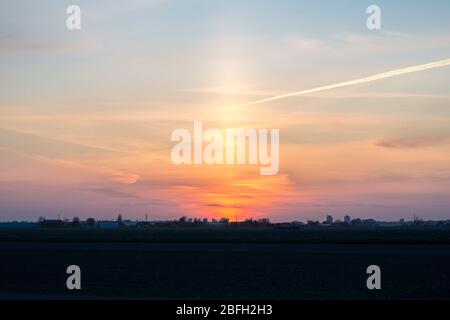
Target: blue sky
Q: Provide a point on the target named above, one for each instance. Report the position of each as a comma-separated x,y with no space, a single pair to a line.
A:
185,34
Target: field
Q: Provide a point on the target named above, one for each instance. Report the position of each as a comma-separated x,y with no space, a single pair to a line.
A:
407,235
225,264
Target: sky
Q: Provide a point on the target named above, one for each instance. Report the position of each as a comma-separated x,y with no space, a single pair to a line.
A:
86,115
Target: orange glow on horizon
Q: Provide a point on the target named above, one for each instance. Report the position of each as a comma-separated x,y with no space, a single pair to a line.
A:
237,191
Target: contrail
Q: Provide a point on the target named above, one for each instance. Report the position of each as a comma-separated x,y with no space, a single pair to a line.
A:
375,77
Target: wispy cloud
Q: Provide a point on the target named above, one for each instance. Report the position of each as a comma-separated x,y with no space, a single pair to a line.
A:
229,90
414,142
13,43
380,76
306,43
114,174
36,145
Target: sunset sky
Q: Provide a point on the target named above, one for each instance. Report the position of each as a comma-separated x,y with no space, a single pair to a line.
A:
86,116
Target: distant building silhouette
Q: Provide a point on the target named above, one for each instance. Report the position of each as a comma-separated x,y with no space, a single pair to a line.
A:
224,220
52,223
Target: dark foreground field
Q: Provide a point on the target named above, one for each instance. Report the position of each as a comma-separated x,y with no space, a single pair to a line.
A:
400,235
225,270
